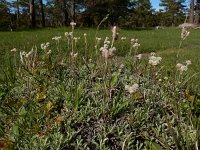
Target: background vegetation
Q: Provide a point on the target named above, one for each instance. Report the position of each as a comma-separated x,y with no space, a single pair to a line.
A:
22,14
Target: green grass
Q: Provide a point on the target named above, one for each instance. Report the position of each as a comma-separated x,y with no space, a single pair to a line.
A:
166,42
57,101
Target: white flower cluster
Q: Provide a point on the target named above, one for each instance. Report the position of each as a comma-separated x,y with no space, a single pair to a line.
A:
134,43
153,60
114,33
123,38
13,50
73,24
107,52
182,67
139,56
132,88
184,33
56,38
76,39
68,34
44,46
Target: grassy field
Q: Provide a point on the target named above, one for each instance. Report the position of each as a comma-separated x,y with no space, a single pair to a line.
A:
52,98
165,42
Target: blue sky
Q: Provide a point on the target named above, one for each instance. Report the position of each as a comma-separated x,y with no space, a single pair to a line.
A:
155,4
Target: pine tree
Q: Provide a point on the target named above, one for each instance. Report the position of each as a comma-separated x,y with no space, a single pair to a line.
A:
32,13
191,11
42,12
173,11
197,14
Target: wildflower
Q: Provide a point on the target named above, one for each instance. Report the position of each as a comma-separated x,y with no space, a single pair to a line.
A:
56,38
166,78
139,56
152,53
132,40
29,53
188,62
76,39
134,43
153,60
66,34
184,33
13,50
97,42
107,52
123,38
115,33
72,24
85,34
181,67
73,55
44,46
113,49
98,39
132,88
49,52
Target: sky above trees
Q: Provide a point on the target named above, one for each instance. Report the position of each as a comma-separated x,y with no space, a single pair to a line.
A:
155,4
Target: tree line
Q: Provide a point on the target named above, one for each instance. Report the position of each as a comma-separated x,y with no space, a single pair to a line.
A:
17,14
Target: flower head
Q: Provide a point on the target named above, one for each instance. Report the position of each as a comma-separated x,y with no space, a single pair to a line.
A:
123,38
115,33
56,38
188,62
44,46
153,60
73,55
13,50
72,24
182,67
132,88
184,33
134,43
139,56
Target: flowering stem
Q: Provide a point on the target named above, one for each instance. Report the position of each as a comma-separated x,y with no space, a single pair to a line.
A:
179,49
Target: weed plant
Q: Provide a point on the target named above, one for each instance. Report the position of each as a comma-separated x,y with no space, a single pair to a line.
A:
55,97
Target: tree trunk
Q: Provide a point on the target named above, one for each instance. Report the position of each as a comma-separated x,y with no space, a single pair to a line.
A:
191,11
32,13
17,7
74,13
197,14
42,12
64,12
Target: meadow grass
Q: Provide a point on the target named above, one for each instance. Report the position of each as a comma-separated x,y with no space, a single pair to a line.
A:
99,100
164,41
